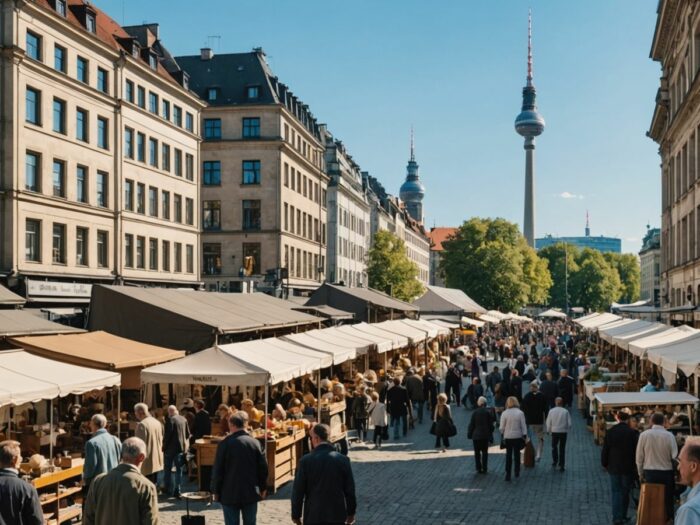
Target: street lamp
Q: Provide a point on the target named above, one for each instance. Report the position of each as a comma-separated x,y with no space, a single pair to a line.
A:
566,279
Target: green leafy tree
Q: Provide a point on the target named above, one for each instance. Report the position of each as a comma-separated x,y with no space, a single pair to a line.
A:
596,284
390,270
627,266
561,259
491,262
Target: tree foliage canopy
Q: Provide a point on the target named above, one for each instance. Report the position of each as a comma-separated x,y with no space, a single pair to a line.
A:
390,270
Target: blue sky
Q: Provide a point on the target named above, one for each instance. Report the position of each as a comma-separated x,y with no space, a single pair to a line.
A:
454,70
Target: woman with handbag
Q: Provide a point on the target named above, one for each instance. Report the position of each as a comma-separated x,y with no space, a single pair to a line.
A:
443,427
378,419
513,435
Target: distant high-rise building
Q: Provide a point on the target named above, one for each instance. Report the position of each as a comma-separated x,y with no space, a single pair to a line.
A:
412,190
529,124
650,264
600,243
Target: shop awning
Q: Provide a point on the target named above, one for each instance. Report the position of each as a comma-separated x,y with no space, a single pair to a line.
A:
473,322
212,366
597,321
438,299
331,335
415,336
8,298
622,399
669,352
26,378
445,324
397,340
552,313
624,340
490,318
381,343
24,322
358,300
340,353
187,319
621,326
641,346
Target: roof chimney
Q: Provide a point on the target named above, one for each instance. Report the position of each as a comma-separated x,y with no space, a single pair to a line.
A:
207,53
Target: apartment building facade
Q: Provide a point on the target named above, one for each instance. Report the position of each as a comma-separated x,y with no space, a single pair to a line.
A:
98,154
264,186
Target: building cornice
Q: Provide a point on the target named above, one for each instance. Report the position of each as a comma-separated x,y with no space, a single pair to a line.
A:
664,28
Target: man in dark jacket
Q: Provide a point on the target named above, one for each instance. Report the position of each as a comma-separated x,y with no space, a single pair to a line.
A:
202,422
493,379
431,389
239,476
481,433
175,443
549,390
414,386
453,384
516,385
324,487
618,458
19,501
397,406
566,387
535,408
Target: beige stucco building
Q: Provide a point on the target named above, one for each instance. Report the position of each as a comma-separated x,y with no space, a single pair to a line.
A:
264,188
675,127
98,154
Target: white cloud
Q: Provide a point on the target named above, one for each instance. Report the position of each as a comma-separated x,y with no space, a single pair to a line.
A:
569,195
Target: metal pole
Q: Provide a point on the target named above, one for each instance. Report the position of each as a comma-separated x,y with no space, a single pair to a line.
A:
51,431
318,401
265,420
566,279
119,412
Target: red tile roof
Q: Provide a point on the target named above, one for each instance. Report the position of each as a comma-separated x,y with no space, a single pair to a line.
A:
438,236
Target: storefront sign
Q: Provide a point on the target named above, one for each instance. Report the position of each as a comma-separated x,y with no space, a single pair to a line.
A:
56,289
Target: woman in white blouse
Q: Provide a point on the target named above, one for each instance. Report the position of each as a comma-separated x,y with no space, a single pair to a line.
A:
513,433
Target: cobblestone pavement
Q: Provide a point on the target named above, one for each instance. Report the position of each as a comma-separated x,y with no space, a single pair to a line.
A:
408,482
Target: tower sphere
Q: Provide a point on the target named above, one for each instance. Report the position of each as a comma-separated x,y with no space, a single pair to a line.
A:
529,123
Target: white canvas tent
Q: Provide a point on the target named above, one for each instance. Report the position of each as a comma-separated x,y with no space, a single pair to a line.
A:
381,343
623,340
340,353
414,335
473,322
444,324
490,318
430,330
598,321
621,326
397,340
640,347
331,335
552,313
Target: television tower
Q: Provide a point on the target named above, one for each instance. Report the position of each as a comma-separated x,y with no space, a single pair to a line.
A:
529,124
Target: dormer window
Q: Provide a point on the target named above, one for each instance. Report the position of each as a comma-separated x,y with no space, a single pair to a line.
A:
90,24
212,94
153,60
135,50
253,92
61,7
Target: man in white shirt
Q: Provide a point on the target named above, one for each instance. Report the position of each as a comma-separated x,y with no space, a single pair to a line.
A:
558,425
689,470
656,450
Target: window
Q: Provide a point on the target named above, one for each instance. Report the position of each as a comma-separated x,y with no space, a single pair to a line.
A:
81,182
153,201
61,7
189,253
129,195
189,211
166,110
33,106
59,58
211,173
153,152
141,147
102,189
102,248
140,198
129,143
286,216
189,166
253,92
212,93
252,250
212,128
82,70
165,154
32,171
251,215
141,97
33,46
211,253
177,160
59,115
189,122
286,175
140,254
59,178
165,205
32,240
251,127
129,91
102,80
294,178
251,172
177,115
211,215
165,254
152,102
81,246
90,22
153,61
177,204
152,254
178,257
59,244
102,133
81,124
128,250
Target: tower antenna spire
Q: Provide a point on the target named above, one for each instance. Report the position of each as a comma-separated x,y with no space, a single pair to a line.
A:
529,47
413,146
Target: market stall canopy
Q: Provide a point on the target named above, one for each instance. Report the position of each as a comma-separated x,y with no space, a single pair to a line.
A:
641,346
397,340
445,324
473,322
597,321
187,319
24,322
552,313
585,317
212,366
448,301
431,328
30,378
691,342
683,357
381,343
359,301
10,299
333,336
325,311
415,336
623,340
620,326
490,318
340,353
99,350
623,399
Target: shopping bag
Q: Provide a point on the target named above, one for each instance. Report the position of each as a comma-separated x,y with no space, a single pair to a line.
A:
529,455
651,510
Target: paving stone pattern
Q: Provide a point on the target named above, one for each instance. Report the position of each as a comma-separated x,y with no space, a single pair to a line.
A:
408,482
